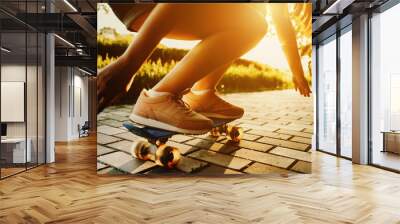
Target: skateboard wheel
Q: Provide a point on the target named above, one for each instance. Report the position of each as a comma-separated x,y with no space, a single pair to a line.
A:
142,150
234,133
167,156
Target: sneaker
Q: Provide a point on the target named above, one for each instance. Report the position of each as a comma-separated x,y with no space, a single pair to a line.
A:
169,112
211,105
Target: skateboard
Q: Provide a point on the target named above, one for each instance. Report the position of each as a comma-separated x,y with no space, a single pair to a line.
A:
156,149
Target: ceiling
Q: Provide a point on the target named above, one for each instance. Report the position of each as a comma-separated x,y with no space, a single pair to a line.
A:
74,22
330,15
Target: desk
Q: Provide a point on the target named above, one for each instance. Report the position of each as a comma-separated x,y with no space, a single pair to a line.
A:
391,141
13,150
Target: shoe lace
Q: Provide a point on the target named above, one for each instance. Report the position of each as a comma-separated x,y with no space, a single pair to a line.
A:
183,106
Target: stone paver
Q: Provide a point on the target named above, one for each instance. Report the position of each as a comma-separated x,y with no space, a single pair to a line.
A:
278,127
265,158
105,139
123,145
295,133
302,167
183,149
101,166
101,150
112,123
114,117
181,138
259,168
251,145
220,159
269,134
128,136
213,169
214,146
189,165
301,140
123,162
250,137
290,153
108,130
284,143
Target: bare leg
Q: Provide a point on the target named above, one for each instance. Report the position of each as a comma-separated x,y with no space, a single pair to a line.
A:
119,73
224,37
211,80
203,97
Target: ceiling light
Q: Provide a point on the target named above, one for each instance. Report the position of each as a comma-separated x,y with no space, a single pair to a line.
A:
79,51
70,5
5,50
84,71
338,6
64,40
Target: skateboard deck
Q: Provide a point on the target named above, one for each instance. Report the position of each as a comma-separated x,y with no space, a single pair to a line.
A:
155,147
149,132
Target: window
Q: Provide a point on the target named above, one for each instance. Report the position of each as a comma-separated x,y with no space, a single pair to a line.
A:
22,76
327,96
385,89
346,93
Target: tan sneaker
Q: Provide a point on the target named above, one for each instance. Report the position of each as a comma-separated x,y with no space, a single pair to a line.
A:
211,105
169,112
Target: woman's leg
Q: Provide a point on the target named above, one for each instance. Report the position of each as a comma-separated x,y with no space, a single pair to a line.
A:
203,97
118,74
227,31
210,81
225,36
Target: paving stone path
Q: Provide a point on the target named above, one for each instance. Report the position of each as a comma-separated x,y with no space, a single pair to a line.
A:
278,127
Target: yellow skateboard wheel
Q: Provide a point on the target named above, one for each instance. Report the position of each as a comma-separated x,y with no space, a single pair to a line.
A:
167,156
234,133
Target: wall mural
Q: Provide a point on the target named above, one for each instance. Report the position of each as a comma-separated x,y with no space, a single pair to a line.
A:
204,89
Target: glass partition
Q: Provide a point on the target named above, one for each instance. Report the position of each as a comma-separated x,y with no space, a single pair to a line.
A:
32,98
385,89
346,93
14,143
327,95
41,97
22,88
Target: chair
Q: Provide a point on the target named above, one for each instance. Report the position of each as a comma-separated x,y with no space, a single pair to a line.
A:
84,130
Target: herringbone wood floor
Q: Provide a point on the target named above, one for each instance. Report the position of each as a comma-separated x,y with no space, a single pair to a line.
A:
70,191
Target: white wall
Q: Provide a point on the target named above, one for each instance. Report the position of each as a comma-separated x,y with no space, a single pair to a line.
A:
71,94
13,73
33,126
61,103
80,110
13,100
